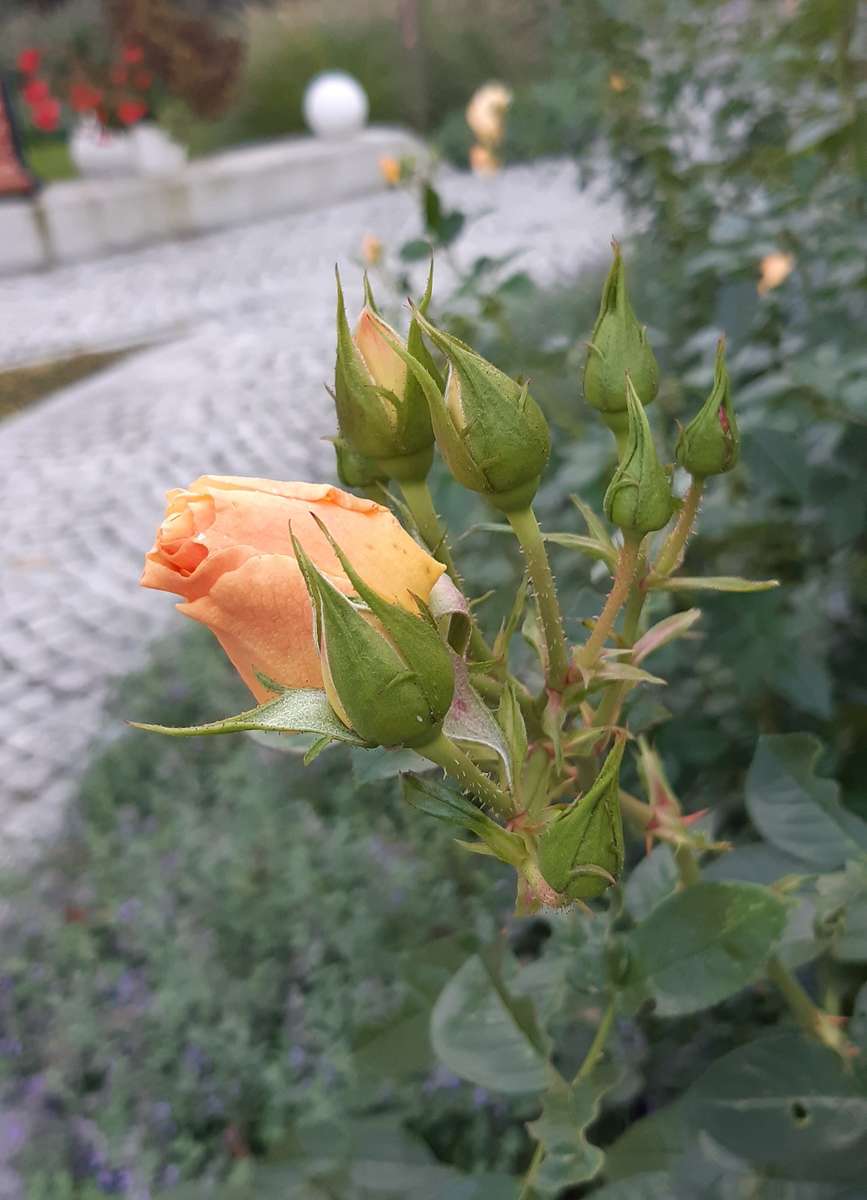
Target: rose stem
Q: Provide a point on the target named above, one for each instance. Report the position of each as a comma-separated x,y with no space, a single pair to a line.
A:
419,501
443,751
624,574
672,552
528,533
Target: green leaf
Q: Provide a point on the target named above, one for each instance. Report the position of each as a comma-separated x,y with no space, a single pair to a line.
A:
701,945
795,809
415,249
650,1146
786,1103
594,547
441,802
649,1185
663,632
595,525
758,862
484,1028
511,721
567,1111
712,583
841,912
652,879
301,710
612,670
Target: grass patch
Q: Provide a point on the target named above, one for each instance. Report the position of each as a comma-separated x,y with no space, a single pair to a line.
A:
50,161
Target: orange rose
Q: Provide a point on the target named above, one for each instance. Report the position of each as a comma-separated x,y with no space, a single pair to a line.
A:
224,547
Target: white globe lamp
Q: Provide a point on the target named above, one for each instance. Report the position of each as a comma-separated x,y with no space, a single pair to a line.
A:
335,105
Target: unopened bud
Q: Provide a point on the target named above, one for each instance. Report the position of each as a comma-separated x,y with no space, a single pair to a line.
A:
492,433
381,410
580,853
387,672
618,345
639,497
710,444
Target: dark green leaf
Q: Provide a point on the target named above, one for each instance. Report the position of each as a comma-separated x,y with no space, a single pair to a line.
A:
795,809
650,1146
567,1111
415,250
701,945
484,1029
786,1103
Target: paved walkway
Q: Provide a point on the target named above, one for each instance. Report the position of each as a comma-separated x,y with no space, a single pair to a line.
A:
233,386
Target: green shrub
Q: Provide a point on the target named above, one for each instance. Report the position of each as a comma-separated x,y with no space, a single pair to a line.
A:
190,973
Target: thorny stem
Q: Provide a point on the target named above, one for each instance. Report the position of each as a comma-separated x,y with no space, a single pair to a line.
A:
687,866
609,706
419,501
624,574
672,552
443,751
526,529
809,1016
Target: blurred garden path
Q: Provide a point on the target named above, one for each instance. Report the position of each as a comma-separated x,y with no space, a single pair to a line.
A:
242,328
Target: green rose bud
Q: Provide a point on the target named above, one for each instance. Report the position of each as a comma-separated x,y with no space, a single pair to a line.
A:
387,673
618,345
710,444
381,409
639,497
580,853
353,469
491,432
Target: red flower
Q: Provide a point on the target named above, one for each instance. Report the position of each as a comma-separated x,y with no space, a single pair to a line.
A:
118,75
84,97
46,115
143,80
28,61
130,111
35,91
132,54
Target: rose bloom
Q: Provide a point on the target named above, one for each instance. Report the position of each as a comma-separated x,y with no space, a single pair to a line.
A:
483,161
775,269
389,168
224,547
371,249
486,113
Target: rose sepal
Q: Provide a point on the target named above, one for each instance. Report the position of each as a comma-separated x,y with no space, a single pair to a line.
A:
387,672
581,851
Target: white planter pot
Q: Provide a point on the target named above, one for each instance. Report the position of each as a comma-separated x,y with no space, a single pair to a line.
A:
98,153
154,152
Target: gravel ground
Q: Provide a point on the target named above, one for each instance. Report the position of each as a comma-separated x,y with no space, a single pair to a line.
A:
239,327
